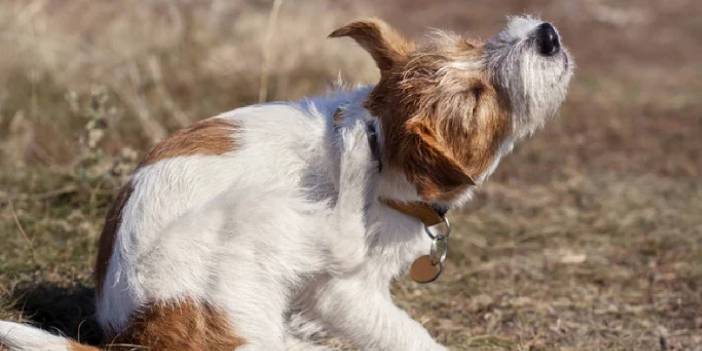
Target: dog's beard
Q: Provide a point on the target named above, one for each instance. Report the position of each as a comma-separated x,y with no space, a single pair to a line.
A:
545,83
535,85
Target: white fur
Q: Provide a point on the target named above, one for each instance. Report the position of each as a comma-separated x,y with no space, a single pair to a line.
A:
291,213
22,337
536,85
285,233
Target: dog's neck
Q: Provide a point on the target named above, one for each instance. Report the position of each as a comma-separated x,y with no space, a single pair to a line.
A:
429,213
345,106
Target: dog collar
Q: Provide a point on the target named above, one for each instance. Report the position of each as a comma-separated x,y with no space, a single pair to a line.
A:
427,268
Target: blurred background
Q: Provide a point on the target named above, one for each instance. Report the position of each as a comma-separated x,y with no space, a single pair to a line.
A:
588,237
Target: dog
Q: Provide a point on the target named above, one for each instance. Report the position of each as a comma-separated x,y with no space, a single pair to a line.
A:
256,228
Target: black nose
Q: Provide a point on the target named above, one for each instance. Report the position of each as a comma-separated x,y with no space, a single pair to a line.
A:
547,40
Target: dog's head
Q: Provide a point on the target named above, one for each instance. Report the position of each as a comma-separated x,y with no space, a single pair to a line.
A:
447,107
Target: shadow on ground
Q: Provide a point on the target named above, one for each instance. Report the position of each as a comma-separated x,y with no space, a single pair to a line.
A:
62,310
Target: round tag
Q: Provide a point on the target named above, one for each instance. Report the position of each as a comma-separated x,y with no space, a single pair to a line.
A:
423,270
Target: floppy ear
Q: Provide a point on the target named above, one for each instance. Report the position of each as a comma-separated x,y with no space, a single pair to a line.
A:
383,43
430,166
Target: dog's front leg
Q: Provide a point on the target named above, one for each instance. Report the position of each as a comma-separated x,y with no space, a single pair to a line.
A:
364,313
357,170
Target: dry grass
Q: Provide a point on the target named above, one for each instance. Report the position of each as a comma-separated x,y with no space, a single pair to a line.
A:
161,63
588,238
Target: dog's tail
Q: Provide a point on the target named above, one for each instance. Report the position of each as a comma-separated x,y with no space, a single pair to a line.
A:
22,337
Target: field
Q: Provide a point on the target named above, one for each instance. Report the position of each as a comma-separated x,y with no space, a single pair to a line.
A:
588,237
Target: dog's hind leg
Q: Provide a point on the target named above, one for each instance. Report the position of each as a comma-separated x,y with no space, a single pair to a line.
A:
357,170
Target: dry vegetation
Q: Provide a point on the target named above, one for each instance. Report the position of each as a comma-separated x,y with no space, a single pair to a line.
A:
588,238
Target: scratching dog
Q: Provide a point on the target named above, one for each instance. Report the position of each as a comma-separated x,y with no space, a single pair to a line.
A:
255,228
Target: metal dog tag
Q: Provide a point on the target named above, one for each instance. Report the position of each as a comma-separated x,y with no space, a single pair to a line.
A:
424,270
428,268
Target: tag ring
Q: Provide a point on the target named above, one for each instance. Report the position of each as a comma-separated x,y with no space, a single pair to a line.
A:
439,236
439,251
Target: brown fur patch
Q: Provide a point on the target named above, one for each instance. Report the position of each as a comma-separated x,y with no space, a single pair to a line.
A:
454,133
185,325
109,233
380,40
74,346
212,136
442,125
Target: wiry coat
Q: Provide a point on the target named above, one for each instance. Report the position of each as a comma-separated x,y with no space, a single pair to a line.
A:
259,227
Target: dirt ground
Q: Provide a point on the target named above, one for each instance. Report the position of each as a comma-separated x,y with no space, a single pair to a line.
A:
588,237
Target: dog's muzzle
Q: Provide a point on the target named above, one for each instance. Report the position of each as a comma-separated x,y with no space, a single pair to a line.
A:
547,40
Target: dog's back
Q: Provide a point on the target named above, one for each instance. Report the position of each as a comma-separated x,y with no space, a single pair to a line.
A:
210,205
